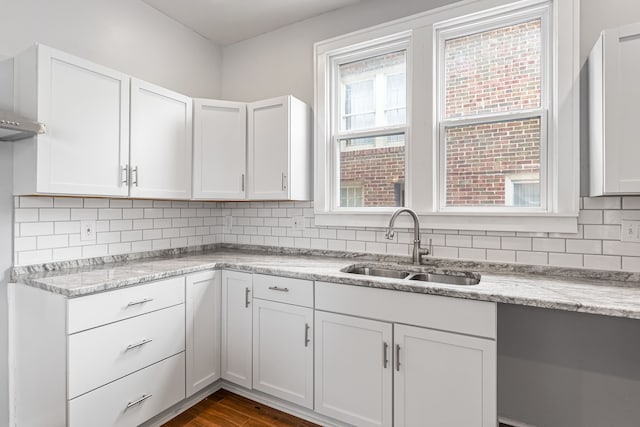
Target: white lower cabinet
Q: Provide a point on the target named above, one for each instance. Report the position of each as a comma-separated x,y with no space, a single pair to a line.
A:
283,351
203,294
443,379
353,372
133,399
237,324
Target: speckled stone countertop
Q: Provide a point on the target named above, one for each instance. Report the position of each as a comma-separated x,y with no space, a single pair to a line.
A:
596,292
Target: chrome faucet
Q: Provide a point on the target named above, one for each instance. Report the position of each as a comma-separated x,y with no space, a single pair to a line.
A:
418,252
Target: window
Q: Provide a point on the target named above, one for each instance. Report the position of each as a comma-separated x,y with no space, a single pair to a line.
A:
492,110
467,114
370,138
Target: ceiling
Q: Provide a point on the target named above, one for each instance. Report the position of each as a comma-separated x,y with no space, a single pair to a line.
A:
229,21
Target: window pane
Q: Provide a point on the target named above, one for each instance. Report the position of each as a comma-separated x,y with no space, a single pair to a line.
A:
494,71
377,165
480,158
526,194
373,92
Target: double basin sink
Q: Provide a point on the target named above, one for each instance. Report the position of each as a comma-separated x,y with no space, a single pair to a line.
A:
420,274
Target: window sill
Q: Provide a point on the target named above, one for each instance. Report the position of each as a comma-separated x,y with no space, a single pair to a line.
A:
548,223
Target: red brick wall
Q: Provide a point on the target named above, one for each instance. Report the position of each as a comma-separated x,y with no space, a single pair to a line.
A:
376,170
479,157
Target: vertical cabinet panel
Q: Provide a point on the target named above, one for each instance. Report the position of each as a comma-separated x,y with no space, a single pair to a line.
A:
353,372
237,325
219,149
203,293
614,66
86,110
443,379
283,351
269,149
161,144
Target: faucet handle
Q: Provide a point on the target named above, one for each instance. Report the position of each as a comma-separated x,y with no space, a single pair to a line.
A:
389,234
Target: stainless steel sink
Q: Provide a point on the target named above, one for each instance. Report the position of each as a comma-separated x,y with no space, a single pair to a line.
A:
379,272
448,279
419,274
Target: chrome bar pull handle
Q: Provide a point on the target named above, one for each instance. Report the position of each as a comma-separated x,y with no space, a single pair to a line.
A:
138,401
275,288
246,297
134,171
284,181
397,358
242,182
124,177
385,356
142,301
140,344
306,334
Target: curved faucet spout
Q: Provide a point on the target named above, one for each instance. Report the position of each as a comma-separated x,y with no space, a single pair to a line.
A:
417,250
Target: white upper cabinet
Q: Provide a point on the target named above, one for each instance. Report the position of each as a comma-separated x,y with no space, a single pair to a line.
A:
279,144
614,91
161,142
86,110
219,149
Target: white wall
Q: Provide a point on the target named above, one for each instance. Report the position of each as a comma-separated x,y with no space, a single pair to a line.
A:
127,35
281,62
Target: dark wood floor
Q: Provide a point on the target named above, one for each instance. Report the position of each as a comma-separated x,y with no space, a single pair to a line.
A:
225,409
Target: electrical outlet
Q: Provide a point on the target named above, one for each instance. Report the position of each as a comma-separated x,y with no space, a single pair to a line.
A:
298,223
87,230
228,224
630,231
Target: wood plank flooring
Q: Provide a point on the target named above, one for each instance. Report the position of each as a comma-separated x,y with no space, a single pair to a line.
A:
225,409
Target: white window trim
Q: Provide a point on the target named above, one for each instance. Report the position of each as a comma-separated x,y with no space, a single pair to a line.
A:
422,157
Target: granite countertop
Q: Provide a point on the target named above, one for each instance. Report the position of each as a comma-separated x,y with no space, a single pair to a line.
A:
596,292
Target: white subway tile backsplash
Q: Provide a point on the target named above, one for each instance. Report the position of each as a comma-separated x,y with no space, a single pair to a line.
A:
549,245
566,260
96,203
36,229
84,214
26,215
56,241
66,227
36,202
108,237
601,203
68,202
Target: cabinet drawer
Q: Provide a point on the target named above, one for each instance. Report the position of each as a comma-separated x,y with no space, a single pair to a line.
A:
99,309
283,289
114,405
104,354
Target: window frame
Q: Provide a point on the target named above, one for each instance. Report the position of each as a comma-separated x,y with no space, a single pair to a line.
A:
422,151
462,29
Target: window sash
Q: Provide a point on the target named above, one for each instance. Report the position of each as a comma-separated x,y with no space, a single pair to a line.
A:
486,119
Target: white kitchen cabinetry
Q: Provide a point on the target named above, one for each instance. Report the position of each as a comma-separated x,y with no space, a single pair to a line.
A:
283,338
445,365
237,324
614,91
161,142
353,372
86,110
203,294
219,149
443,379
279,150
112,359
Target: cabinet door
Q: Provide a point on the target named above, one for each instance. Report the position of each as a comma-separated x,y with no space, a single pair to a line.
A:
268,157
203,330
353,370
237,289
443,379
160,142
621,94
219,149
283,351
86,110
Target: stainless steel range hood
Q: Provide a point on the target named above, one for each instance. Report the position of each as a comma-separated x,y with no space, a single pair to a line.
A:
14,128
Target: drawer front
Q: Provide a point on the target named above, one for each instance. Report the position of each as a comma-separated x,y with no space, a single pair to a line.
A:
104,354
124,403
99,309
469,317
283,289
